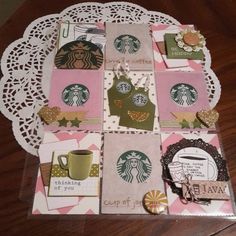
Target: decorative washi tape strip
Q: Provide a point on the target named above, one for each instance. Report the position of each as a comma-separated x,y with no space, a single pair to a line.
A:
57,171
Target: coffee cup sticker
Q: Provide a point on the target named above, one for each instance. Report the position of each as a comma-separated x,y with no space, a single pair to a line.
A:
79,55
197,163
78,163
176,171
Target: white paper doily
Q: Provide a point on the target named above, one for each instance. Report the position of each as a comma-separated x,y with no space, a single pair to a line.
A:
27,64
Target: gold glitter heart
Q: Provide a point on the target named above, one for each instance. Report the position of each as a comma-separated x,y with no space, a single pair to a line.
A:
208,117
48,114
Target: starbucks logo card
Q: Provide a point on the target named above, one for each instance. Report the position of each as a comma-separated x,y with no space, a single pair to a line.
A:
131,168
131,43
180,96
78,94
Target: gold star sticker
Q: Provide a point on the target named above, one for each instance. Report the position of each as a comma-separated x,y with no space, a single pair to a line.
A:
184,124
63,122
75,122
196,124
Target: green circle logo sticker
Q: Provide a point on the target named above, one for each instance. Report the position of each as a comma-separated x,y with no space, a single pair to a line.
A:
75,95
123,87
127,44
184,95
134,166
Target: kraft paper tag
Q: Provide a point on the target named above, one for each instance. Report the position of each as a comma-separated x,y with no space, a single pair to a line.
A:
207,189
175,52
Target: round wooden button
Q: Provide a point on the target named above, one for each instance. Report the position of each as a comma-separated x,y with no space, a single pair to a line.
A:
155,201
192,39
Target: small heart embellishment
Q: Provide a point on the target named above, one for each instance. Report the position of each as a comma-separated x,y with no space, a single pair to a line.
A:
208,117
49,114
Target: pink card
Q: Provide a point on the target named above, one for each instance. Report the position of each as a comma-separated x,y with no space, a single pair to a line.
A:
180,95
161,63
213,171
77,91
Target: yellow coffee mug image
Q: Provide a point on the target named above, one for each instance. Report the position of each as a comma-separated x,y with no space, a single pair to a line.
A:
78,163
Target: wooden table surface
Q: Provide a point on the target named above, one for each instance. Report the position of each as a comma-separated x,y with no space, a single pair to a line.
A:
216,20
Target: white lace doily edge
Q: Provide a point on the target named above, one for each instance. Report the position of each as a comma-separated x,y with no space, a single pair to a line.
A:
17,134
27,36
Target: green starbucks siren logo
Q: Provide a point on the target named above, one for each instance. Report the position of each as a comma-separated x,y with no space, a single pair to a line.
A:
127,44
184,95
75,95
134,166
